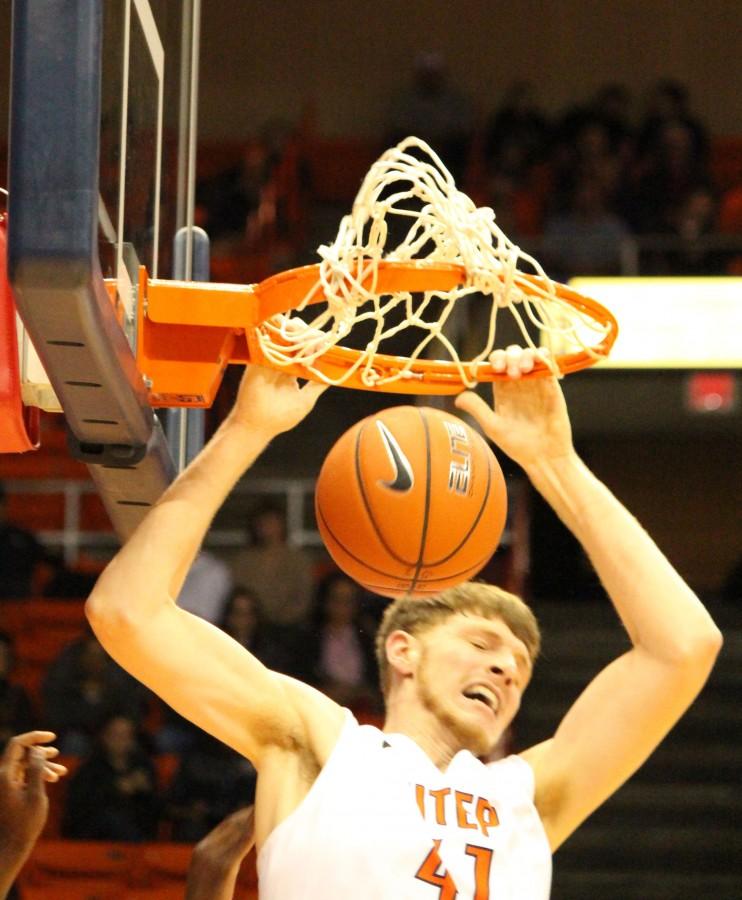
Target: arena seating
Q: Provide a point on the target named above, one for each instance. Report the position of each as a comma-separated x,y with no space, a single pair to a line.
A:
99,870
39,630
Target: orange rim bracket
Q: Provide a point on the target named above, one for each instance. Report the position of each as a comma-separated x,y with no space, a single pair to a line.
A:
183,364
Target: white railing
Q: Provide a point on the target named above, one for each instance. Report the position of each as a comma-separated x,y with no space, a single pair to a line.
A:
296,495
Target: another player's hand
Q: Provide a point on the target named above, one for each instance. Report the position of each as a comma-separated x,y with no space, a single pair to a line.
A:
24,767
217,857
271,402
529,420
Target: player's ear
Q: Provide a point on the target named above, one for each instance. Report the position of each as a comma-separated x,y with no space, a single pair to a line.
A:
402,652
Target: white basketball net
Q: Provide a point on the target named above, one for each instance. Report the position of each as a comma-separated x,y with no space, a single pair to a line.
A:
444,227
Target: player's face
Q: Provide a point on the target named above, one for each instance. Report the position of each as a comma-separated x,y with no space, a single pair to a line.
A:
471,675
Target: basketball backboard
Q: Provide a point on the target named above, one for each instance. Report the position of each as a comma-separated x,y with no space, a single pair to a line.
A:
93,128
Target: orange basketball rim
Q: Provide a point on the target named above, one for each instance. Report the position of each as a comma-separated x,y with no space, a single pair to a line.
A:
188,332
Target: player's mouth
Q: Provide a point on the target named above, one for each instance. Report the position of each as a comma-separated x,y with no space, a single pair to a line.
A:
484,696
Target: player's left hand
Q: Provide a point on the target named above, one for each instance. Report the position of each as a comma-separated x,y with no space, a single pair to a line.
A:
515,360
528,419
271,402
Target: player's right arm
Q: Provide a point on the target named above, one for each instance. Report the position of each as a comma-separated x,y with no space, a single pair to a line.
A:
193,666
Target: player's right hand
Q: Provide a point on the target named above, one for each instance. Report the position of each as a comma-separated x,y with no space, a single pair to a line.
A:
270,402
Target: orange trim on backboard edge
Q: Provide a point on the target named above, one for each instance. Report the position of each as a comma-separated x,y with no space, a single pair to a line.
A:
20,424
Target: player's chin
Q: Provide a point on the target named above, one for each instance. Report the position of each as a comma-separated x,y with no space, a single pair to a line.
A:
479,734
477,711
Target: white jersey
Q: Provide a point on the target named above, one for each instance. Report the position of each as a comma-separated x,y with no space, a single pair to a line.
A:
381,821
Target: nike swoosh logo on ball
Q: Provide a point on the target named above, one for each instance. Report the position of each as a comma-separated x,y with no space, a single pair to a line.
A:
403,477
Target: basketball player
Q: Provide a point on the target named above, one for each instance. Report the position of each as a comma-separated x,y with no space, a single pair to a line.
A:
344,810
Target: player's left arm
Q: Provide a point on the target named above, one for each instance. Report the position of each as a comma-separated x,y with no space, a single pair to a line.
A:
631,705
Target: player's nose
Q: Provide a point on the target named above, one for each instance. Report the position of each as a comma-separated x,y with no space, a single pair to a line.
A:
504,668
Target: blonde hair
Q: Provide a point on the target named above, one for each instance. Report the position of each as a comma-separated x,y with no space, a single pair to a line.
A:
416,615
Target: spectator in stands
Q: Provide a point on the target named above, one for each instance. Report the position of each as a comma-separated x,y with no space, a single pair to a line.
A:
672,168
82,689
612,108
21,556
243,620
206,588
518,121
588,155
692,220
113,794
211,781
25,766
16,710
434,109
609,107
593,139
280,575
587,239
340,651
669,103
515,153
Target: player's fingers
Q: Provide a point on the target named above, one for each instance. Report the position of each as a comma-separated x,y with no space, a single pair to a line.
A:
479,409
498,361
514,358
527,361
313,390
36,772
16,747
29,738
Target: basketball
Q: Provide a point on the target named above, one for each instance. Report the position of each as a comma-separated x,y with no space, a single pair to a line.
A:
410,500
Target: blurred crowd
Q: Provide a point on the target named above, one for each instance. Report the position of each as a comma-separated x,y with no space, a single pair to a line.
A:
119,740
573,186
